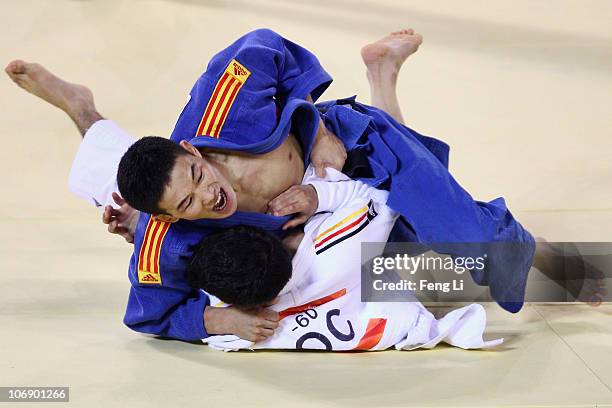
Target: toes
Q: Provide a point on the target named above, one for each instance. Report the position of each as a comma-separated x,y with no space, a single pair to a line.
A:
16,67
20,82
17,78
405,31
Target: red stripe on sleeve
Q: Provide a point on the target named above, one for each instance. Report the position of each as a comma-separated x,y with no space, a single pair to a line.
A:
372,335
318,302
162,234
351,225
222,99
141,254
211,102
150,246
216,130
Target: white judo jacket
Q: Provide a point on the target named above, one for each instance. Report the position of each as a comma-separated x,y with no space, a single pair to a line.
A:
321,307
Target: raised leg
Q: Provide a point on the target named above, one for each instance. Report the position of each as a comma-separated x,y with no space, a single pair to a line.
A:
569,269
383,60
78,103
76,100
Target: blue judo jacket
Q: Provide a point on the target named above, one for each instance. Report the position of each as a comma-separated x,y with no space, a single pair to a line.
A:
250,97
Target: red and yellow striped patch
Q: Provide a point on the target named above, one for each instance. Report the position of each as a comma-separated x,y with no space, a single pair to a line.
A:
148,258
222,99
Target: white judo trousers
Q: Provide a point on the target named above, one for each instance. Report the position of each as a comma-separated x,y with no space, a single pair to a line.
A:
321,308
93,176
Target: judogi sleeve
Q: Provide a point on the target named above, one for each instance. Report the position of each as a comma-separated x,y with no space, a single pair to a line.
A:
296,71
161,301
167,312
250,93
336,190
276,64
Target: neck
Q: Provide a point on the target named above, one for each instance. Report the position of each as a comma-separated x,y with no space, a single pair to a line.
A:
218,159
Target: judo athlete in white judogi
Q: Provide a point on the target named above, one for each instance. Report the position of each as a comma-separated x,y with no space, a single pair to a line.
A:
320,306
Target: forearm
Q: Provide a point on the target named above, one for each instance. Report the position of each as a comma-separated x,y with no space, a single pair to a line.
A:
214,322
327,150
253,325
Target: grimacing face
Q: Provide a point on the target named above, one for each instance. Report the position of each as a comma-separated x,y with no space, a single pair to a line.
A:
196,190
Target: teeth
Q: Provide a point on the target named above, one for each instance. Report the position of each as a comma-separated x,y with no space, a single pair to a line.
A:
221,201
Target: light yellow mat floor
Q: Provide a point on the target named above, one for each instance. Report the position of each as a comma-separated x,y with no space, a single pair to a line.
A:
520,89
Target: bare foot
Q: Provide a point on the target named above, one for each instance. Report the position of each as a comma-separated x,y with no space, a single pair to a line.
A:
569,269
76,100
391,51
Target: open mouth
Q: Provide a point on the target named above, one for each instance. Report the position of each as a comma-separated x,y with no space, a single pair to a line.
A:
221,202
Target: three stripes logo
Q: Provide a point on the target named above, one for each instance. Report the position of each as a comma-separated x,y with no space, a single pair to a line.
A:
222,99
346,228
239,70
149,255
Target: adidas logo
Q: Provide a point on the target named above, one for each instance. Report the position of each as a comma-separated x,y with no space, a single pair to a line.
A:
149,278
238,70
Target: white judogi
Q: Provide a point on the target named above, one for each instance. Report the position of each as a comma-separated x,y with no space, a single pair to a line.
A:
321,308
93,176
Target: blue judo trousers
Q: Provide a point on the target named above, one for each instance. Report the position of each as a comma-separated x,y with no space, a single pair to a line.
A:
251,96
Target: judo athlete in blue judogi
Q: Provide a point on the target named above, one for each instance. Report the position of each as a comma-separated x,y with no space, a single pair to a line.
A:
249,114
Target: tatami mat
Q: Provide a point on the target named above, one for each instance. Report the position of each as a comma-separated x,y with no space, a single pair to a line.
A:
520,89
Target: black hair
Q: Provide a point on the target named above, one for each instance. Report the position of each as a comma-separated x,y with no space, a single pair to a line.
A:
144,172
242,265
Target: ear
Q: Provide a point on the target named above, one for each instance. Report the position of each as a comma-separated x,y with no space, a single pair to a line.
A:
191,149
165,218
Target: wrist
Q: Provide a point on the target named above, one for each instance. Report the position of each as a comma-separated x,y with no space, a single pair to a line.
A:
321,129
213,320
320,186
314,195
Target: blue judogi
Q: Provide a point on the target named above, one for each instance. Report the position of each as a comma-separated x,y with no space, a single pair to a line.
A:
249,99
